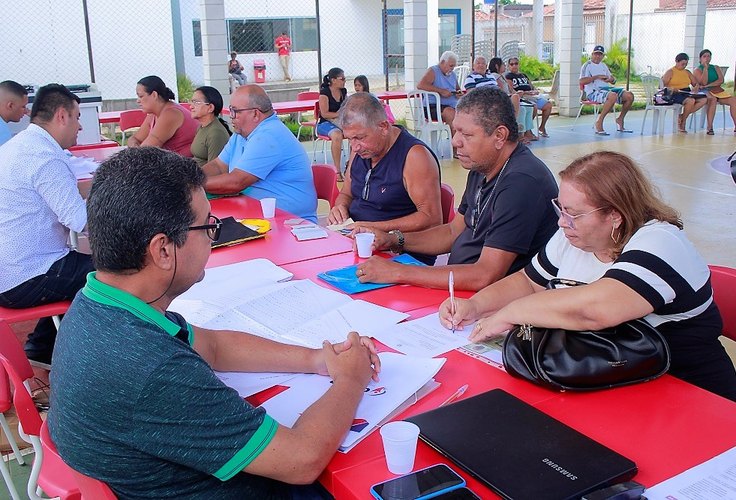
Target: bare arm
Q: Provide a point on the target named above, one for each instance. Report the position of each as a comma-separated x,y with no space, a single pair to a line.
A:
427,83
137,139
340,212
421,180
701,76
165,127
324,108
601,304
230,182
298,455
667,77
215,167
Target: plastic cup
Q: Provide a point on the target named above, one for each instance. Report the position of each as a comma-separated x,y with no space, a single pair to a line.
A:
268,206
400,446
364,242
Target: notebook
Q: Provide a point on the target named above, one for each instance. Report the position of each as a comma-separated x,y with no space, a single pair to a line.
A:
519,451
233,232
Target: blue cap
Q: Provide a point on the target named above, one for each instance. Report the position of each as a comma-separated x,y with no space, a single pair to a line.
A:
599,48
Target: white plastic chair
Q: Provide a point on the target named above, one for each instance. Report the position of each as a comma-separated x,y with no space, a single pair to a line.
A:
426,129
651,86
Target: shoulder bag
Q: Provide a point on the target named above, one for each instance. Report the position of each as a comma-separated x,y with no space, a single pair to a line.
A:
559,359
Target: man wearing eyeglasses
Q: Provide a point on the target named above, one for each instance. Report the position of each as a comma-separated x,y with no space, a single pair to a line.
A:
263,159
136,402
505,216
39,205
393,180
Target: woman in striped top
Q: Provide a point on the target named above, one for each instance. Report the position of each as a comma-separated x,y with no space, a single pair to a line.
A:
618,236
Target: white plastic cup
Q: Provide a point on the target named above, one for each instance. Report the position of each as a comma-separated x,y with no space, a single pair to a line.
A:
364,242
268,207
400,446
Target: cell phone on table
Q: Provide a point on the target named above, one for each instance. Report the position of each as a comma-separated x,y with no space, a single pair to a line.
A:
424,483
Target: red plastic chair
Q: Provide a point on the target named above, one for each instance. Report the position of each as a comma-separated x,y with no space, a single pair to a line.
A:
319,137
447,198
325,182
49,472
186,105
55,309
309,95
130,119
723,282
91,488
6,403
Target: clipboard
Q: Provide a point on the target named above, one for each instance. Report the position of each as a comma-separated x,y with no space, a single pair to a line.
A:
234,232
346,280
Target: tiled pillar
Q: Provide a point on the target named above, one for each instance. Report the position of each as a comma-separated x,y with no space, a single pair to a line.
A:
214,46
415,41
570,41
433,31
694,29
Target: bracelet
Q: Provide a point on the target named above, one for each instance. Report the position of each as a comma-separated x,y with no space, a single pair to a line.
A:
400,236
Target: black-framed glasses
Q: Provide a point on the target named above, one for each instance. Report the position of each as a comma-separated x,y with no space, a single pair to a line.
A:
213,227
367,186
234,111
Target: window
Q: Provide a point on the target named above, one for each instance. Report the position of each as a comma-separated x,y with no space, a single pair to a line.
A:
197,34
257,35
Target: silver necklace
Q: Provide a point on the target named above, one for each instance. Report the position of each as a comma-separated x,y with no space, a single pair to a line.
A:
477,197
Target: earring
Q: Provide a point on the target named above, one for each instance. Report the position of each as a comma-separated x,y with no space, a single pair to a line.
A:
613,234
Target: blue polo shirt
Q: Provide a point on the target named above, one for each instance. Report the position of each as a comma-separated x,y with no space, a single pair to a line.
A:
5,134
135,406
272,153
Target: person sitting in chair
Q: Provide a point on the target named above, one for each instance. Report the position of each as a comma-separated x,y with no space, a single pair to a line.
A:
597,79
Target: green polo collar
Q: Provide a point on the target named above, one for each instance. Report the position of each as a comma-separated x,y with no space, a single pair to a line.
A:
110,296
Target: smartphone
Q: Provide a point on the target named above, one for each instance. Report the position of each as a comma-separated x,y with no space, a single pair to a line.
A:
424,483
458,494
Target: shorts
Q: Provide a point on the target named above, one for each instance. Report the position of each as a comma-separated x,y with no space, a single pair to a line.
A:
601,95
433,111
541,102
325,128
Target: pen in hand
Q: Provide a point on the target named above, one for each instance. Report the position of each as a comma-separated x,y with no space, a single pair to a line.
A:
453,306
455,396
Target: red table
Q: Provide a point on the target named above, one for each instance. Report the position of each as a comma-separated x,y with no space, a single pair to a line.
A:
402,298
279,245
109,116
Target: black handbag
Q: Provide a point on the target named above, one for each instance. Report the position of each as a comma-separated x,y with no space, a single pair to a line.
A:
631,352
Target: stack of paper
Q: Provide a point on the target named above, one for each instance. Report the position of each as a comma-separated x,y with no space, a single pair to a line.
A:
307,232
400,379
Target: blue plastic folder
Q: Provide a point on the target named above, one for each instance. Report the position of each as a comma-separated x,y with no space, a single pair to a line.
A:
346,280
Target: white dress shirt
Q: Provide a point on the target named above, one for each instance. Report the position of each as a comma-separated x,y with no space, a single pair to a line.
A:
39,203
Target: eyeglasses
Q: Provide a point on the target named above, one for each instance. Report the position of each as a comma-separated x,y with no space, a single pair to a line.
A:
569,218
195,102
366,186
234,111
340,78
213,227
513,63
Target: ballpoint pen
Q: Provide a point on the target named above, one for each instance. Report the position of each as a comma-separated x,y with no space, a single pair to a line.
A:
456,395
453,306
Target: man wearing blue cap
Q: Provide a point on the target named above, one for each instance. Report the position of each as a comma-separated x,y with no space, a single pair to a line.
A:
598,81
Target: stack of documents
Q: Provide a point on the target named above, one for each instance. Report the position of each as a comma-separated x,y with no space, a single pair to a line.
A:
308,232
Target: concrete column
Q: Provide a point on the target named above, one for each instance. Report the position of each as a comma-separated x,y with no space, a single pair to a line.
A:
571,46
538,28
433,31
694,29
609,35
415,42
214,46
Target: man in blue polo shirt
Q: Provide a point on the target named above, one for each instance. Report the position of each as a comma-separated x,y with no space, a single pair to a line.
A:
263,159
135,401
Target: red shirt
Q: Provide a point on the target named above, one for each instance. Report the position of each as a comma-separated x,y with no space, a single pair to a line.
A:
283,43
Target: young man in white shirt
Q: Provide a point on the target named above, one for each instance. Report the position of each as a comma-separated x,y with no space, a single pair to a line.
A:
39,205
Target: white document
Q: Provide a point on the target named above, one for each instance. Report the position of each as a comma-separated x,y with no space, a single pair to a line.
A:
714,479
248,384
356,315
308,232
82,168
401,377
424,337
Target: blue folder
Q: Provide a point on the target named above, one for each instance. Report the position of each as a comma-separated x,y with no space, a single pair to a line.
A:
346,280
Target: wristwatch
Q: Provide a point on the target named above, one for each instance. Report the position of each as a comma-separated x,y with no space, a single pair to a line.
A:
399,248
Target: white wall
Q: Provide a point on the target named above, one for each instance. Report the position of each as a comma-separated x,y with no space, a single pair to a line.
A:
46,43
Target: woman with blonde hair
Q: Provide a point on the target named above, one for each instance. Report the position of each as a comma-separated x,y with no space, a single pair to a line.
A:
617,236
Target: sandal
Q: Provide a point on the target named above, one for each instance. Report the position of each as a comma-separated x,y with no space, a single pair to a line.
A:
710,132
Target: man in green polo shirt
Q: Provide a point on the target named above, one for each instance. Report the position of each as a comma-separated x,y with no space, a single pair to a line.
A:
135,401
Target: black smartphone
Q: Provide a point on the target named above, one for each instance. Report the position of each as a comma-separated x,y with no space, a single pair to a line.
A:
424,483
458,494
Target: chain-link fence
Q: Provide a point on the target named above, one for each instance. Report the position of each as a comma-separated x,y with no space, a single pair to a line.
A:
114,45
